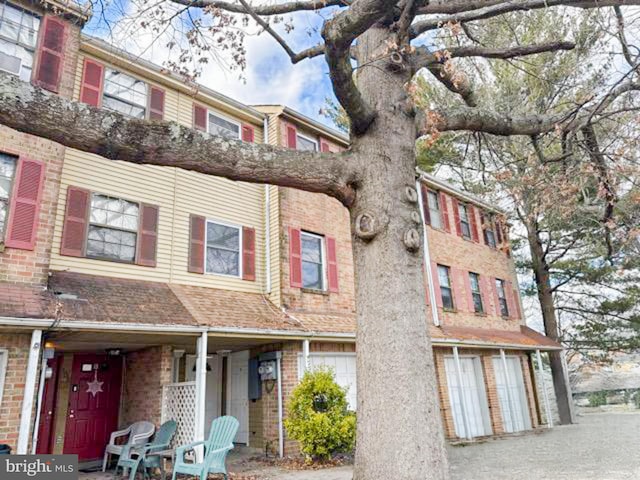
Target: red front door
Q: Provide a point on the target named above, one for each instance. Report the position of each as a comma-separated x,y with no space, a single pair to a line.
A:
47,411
94,398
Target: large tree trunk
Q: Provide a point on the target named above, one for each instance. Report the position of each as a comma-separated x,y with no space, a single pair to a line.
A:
399,427
545,297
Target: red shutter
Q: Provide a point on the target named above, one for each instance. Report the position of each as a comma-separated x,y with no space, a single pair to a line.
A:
248,253
496,298
497,227
76,219
505,239
332,264
156,104
24,205
473,224
92,78
468,292
50,53
425,204
516,302
147,235
459,296
292,137
197,227
456,215
295,258
324,146
445,212
199,117
487,295
508,291
248,133
436,284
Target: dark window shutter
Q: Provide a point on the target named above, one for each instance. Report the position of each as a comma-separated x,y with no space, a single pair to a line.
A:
199,117
156,104
292,137
248,253
295,258
487,295
92,79
332,264
147,235
436,284
22,223
473,224
456,215
497,225
425,204
516,302
74,231
483,227
51,54
197,228
445,212
496,298
324,146
248,133
508,292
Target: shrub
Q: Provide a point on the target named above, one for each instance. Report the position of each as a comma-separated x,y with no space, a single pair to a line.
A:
597,399
318,417
636,399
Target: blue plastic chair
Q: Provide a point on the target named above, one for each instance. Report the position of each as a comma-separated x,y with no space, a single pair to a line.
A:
216,448
136,455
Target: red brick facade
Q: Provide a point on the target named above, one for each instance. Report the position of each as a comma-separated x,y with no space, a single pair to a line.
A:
17,346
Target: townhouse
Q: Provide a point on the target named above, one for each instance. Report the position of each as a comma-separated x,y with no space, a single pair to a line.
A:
132,292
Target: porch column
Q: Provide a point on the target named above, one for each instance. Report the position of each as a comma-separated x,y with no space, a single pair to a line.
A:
29,391
463,410
175,367
201,391
507,382
545,395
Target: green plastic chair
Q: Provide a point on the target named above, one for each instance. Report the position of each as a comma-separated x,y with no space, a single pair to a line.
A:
220,442
136,455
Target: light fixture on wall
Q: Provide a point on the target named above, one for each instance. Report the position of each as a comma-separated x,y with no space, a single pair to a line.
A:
114,352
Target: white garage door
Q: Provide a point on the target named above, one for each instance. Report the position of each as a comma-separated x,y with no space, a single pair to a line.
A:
512,395
344,367
469,399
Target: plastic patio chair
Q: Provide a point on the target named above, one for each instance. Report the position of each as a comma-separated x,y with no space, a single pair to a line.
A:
220,442
133,456
138,433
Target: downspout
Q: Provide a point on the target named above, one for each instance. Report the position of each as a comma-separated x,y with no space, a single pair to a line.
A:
29,392
36,425
280,423
427,258
267,217
545,395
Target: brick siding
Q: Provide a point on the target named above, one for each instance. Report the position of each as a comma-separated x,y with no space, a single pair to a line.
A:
13,393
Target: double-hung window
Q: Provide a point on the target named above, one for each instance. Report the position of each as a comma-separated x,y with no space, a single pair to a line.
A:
465,226
113,228
306,144
219,125
124,94
435,216
502,298
18,39
313,262
474,280
7,173
444,277
223,249
489,230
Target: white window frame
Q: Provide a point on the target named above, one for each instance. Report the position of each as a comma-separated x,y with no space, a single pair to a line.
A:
33,49
435,212
147,108
449,287
502,286
323,260
215,113
311,139
206,246
478,292
4,361
7,202
464,207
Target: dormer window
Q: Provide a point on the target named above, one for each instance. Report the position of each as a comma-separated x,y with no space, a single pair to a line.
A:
18,39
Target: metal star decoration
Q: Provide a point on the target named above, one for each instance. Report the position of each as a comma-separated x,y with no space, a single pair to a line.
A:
94,387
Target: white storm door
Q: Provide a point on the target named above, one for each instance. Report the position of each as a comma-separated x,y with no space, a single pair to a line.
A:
470,396
513,400
343,366
238,392
213,401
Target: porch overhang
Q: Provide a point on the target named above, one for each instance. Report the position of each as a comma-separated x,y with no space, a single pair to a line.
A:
523,339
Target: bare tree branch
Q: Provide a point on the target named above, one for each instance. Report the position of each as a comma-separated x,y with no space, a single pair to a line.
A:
622,37
113,136
265,10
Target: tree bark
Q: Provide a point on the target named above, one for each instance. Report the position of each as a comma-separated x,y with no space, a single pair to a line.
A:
545,296
399,432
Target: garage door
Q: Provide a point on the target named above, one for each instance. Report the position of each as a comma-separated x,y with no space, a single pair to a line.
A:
468,397
344,367
512,395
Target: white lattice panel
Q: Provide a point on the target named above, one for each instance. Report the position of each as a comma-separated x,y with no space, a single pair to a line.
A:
179,404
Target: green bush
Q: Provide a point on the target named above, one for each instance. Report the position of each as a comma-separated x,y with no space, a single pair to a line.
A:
597,399
318,417
636,399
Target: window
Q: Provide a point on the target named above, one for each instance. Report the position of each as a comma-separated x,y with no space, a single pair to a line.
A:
7,173
489,230
223,127
18,38
223,249
464,221
113,228
434,209
312,261
306,144
446,292
474,280
502,298
124,94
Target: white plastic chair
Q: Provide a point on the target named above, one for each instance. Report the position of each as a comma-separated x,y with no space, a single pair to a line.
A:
138,433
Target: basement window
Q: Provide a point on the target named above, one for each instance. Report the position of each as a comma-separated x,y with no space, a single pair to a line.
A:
113,228
7,173
18,38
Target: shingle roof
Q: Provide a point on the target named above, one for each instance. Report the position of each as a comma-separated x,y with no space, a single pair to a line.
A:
525,337
23,301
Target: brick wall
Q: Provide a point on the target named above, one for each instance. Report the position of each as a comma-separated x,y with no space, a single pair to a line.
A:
11,401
